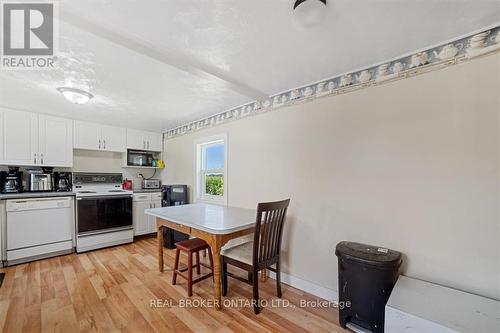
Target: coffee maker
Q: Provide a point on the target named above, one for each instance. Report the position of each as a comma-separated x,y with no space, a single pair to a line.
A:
63,181
39,180
11,181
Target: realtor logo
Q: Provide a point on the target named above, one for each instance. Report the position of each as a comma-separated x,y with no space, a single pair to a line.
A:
28,34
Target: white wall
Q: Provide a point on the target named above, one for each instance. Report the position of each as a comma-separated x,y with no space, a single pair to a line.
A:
412,165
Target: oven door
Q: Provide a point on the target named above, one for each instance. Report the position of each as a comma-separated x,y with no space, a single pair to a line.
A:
103,214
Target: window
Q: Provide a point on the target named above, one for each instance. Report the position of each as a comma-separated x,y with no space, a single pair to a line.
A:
211,181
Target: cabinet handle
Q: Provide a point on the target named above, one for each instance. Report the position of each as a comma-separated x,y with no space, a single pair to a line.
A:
99,144
41,158
104,144
148,144
144,144
34,158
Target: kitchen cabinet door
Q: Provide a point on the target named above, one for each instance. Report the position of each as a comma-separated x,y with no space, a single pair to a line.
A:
113,139
136,139
55,141
154,141
141,220
20,138
152,219
87,135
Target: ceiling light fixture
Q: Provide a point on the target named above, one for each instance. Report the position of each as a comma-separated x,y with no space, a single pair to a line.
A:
298,2
74,95
309,13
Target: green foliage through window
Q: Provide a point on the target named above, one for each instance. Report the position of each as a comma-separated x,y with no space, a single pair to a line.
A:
214,184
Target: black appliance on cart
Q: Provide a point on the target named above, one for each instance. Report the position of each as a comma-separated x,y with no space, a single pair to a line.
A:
173,195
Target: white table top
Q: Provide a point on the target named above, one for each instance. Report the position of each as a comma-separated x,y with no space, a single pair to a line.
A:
210,218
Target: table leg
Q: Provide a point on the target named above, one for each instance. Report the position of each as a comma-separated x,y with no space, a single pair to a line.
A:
217,276
159,237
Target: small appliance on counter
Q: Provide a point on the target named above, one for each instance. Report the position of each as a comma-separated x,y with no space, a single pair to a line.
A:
127,184
173,195
63,181
150,184
40,180
11,181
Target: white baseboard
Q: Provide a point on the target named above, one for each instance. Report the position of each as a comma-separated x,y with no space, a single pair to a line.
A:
307,286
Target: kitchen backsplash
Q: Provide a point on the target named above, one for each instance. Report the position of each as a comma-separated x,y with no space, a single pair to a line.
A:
98,161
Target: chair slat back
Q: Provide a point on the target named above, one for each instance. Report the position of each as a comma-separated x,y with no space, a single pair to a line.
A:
268,231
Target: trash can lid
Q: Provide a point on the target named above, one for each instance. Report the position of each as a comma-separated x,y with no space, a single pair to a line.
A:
368,254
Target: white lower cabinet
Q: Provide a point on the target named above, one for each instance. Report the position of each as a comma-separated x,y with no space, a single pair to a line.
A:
144,224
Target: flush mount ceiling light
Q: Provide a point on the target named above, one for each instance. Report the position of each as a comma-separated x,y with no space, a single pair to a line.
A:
298,2
74,95
309,12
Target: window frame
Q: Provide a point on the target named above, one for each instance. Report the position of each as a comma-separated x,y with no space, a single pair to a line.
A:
200,146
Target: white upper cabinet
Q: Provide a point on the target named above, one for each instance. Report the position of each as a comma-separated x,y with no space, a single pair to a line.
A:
86,135
135,139
55,144
99,137
114,138
142,140
154,141
35,140
20,136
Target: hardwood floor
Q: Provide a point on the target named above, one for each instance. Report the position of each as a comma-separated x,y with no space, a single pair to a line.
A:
119,289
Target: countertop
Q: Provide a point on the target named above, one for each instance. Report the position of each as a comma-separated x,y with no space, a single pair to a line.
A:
23,195
146,190
214,219
27,195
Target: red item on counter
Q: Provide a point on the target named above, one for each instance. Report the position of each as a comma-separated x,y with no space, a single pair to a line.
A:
127,184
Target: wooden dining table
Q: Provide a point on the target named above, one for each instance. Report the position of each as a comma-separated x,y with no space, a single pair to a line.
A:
213,223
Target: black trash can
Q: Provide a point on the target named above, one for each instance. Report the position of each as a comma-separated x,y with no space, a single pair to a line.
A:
367,275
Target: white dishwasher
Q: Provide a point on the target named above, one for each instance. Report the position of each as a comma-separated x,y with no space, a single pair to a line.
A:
39,228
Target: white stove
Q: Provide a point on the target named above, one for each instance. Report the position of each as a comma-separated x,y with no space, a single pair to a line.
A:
101,192
103,211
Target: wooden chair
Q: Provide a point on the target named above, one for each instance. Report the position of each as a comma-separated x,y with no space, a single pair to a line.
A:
262,252
192,246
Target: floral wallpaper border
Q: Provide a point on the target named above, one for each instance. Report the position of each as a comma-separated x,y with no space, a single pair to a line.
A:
438,57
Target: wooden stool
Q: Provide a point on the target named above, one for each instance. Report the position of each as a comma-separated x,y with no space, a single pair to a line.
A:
191,246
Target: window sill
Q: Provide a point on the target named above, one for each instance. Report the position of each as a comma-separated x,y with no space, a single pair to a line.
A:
221,202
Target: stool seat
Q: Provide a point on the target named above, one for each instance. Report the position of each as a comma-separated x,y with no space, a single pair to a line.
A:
192,245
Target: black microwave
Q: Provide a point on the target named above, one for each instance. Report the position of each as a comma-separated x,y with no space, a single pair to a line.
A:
140,158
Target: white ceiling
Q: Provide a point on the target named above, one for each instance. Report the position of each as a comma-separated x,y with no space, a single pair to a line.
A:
158,64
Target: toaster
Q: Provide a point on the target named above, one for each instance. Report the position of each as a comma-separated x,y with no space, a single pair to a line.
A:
151,183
